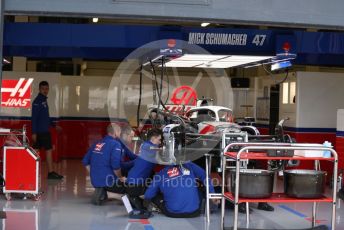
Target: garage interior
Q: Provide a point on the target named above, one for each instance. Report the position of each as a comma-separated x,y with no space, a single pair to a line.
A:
93,63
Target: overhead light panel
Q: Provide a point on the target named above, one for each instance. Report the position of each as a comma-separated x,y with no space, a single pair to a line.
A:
5,61
246,58
200,57
185,64
217,65
215,61
205,24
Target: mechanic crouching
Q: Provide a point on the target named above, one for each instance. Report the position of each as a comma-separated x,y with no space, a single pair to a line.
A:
175,190
104,162
128,157
143,168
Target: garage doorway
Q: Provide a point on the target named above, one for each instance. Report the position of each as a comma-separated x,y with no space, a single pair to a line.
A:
274,108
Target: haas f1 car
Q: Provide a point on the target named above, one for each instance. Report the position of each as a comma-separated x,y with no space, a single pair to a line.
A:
200,131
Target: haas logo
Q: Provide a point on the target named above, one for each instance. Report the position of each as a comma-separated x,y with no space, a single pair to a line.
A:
16,93
184,95
99,147
173,172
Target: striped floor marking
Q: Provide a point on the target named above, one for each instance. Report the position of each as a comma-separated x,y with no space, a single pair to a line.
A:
299,214
145,222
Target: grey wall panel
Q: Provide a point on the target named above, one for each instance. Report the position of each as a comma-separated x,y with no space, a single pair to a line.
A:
317,13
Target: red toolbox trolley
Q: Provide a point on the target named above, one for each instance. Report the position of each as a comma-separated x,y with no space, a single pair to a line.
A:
21,169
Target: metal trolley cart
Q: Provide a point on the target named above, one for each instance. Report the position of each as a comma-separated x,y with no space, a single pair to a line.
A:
21,165
226,139
244,154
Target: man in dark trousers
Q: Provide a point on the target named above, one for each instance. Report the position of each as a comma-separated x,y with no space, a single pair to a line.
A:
143,168
175,190
104,162
41,123
341,193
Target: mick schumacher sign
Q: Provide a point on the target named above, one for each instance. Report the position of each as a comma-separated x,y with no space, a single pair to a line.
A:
16,93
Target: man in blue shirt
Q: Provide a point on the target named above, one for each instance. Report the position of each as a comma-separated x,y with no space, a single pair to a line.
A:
127,135
175,190
104,162
41,123
143,168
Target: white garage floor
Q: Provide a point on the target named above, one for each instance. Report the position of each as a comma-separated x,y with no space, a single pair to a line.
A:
66,205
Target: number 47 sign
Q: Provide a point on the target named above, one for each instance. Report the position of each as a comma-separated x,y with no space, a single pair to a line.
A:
259,39
16,93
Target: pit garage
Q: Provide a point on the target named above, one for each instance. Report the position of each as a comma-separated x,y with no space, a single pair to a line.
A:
201,119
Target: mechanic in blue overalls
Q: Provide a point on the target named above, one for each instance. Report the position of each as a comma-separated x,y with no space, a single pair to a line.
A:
41,123
104,162
128,157
143,168
175,190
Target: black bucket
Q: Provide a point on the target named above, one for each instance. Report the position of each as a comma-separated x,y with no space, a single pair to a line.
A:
254,183
304,183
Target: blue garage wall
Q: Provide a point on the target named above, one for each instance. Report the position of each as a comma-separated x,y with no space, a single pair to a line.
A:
115,42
